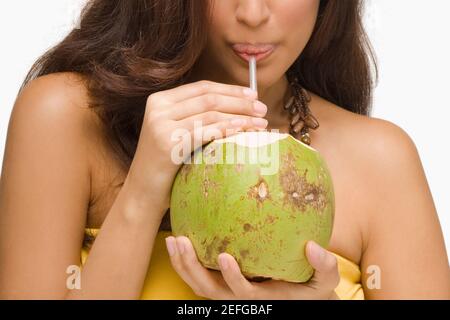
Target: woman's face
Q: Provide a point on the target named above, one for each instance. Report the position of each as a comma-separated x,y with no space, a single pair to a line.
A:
285,24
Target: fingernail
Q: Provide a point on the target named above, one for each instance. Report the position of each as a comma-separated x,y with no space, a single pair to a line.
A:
250,93
180,246
238,122
259,122
318,251
223,263
170,247
259,107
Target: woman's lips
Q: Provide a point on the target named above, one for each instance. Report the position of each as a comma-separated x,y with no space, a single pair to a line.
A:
245,51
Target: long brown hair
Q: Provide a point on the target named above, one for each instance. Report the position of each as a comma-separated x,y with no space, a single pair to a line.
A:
128,49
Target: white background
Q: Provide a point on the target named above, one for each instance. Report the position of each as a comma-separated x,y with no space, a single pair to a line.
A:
411,38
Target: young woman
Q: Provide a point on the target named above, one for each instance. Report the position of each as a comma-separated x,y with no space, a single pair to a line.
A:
89,143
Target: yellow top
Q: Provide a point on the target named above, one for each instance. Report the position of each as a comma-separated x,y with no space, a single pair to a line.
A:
163,283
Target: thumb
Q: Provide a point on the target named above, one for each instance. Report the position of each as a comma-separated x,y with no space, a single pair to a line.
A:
324,264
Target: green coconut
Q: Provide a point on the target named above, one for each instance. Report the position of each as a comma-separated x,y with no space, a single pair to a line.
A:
259,196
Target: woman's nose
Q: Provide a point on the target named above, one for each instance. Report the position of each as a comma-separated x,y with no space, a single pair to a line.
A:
252,12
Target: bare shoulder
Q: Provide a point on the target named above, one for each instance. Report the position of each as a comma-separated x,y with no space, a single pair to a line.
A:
51,126
51,121
399,222
52,95
57,104
376,143
390,163
375,166
381,145
384,153
383,156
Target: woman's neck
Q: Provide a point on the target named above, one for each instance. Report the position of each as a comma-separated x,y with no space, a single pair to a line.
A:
275,98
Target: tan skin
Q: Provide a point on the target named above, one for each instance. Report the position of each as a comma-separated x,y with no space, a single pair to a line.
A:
58,174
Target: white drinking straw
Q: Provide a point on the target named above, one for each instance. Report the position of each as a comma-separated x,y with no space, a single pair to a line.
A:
253,76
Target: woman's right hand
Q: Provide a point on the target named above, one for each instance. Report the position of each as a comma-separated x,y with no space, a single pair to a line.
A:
175,115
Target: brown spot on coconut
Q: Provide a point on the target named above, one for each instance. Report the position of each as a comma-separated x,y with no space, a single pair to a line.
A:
247,227
210,250
185,170
244,254
208,187
183,204
298,191
271,219
223,246
259,192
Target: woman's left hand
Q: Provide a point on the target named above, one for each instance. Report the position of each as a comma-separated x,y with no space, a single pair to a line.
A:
230,284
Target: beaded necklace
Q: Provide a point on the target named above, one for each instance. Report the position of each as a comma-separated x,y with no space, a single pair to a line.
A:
301,118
